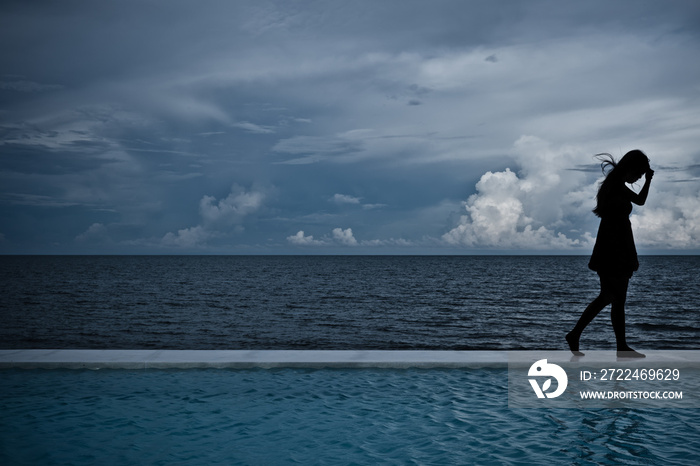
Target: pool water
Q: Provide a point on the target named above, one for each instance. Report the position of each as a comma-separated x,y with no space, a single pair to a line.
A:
322,416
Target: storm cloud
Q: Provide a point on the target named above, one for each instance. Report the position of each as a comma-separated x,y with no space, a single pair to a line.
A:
341,127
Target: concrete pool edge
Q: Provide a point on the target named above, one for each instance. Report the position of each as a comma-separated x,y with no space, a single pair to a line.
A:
268,359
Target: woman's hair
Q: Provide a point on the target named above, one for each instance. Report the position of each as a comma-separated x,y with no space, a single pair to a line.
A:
634,161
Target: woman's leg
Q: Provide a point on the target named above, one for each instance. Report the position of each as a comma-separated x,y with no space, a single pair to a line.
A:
592,310
617,288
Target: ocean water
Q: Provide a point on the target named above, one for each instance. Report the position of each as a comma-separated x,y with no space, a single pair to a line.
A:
330,416
335,302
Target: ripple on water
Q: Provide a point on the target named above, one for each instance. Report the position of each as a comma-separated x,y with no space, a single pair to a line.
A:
317,416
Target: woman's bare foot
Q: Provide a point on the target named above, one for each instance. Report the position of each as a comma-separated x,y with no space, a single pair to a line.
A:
629,353
573,344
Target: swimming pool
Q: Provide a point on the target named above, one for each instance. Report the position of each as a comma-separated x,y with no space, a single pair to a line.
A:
316,416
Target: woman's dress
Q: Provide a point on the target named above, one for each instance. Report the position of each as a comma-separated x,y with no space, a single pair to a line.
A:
614,253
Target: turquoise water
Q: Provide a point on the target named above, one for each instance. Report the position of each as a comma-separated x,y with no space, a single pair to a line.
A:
329,416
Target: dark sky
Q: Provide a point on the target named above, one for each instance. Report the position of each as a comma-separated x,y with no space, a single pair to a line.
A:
341,127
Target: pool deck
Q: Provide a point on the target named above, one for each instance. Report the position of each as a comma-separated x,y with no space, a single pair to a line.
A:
245,359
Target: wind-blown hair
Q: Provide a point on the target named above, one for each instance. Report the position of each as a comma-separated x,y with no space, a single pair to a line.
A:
634,161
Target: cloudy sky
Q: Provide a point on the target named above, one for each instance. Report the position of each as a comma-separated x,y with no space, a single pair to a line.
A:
324,127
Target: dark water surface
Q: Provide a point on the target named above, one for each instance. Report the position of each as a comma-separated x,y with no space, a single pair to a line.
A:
335,302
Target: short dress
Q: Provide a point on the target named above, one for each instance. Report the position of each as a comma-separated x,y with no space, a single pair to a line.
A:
614,253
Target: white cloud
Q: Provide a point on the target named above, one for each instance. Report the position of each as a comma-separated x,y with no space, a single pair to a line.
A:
373,206
547,205
96,230
388,242
344,237
233,208
300,240
187,237
526,212
496,217
216,215
253,128
345,199
675,224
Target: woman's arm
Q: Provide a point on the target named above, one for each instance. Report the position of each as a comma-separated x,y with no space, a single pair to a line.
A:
641,197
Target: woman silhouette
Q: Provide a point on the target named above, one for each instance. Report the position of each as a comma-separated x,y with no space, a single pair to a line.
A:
614,254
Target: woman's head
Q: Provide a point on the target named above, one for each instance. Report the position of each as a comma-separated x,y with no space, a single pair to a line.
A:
633,165
629,169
